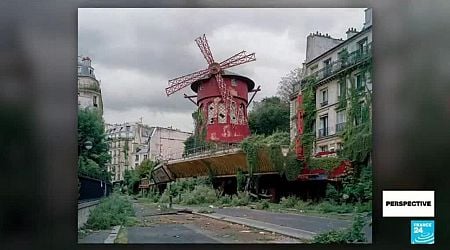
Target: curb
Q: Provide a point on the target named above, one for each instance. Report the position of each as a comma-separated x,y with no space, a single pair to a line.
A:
113,235
287,231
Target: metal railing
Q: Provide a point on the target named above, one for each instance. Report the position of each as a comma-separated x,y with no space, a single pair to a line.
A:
344,62
323,132
340,127
324,103
203,150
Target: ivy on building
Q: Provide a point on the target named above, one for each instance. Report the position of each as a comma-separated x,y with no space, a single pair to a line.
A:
309,116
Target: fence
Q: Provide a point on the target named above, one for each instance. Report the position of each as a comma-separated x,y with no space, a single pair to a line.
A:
90,188
202,150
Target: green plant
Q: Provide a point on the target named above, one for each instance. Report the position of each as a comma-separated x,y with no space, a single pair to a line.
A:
242,199
289,202
264,204
240,180
354,234
331,193
111,211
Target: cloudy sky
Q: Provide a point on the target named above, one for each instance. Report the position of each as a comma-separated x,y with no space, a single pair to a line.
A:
136,51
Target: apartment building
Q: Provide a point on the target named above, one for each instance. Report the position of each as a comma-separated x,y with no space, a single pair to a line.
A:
89,91
335,67
132,143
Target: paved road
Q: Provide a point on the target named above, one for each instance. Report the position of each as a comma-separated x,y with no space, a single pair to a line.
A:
304,222
167,233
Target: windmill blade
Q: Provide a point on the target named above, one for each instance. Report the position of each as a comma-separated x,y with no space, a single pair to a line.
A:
184,78
183,81
240,60
204,48
233,58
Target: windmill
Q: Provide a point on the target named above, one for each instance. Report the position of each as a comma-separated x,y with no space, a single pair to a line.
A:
221,95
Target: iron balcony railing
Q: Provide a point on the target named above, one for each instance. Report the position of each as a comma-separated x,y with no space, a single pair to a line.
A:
324,103
340,127
345,61
323,132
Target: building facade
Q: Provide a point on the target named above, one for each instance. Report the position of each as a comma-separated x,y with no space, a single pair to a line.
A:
334,71
132,143
89,91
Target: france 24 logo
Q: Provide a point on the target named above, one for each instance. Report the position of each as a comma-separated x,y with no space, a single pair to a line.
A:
422,232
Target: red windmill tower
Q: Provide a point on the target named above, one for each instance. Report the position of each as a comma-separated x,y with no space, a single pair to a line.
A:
222,96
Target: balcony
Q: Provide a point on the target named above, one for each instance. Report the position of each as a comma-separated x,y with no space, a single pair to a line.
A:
340,127
343,63
323,132
324,103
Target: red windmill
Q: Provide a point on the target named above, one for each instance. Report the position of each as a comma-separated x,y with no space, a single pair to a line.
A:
222,99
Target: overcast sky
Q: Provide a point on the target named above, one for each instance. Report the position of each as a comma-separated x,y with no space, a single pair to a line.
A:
136,51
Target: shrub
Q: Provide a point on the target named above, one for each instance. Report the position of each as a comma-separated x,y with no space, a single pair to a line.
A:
111,211
353,234
242,199
200,195
289,202
331,193
224,200
262,205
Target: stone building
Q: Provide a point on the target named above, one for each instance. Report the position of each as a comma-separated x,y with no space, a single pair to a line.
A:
132,143
334,65
89,91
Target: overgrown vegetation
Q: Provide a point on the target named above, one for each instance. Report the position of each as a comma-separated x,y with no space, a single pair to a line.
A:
256,145
92,162
111,211
354,234
133,177
308,109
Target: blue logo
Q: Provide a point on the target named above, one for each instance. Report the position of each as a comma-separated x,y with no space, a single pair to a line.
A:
422,232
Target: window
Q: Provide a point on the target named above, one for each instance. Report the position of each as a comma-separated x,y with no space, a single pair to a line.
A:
95,101
222,113
128,128
324,97
135,165
233,111
339,146
241,114
323,131
145,157
211,113
137,158
340,120
327,66
362,46
360,81
323,148
342,90
233,82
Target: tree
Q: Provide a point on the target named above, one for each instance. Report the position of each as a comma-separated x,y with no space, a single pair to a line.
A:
145,168
287,83
268,116
91,128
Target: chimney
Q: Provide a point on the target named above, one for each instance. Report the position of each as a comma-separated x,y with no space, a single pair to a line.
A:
317,43
351,32
86,61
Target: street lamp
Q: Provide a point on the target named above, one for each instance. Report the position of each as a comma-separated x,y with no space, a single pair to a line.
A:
88,145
